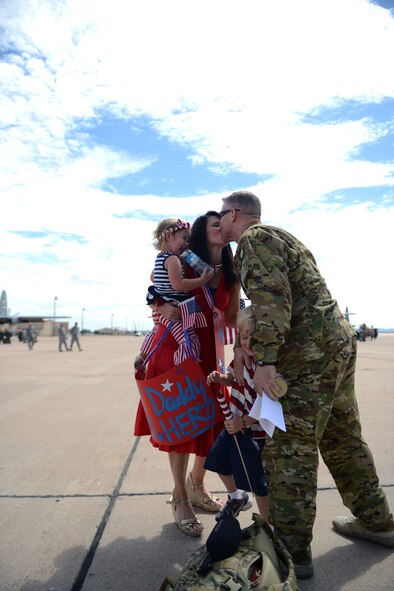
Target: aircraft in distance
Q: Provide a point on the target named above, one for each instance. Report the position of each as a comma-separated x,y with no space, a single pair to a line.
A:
347,314
7,318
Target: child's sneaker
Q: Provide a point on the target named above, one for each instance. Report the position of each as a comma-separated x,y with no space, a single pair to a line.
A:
234,506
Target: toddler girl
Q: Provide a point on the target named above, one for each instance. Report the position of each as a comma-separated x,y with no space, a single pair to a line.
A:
169,284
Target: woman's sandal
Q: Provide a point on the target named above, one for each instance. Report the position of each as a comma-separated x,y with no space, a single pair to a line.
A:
201,499
185,525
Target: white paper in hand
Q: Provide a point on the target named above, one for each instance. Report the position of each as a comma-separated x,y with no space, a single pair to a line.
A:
269,413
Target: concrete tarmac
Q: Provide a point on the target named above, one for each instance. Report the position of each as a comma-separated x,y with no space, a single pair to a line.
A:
82,501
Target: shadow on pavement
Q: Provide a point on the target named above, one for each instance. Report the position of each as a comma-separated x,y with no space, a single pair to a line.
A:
343,566
126,564
140,564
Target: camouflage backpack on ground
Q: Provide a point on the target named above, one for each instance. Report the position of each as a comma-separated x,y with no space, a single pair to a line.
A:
257,564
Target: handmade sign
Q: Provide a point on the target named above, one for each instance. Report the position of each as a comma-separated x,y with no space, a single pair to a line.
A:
179,404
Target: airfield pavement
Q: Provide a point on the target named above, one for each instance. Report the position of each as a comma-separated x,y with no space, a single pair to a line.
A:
82,501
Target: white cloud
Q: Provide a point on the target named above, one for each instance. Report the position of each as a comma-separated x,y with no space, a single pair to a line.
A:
234,84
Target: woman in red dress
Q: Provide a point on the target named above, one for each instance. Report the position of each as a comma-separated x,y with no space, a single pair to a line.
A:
222,291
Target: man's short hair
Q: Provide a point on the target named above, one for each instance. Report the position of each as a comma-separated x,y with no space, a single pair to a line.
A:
247,201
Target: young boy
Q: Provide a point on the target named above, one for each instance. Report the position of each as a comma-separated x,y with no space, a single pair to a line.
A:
224,457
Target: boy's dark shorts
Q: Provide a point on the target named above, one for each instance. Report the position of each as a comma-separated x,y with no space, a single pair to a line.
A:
223,458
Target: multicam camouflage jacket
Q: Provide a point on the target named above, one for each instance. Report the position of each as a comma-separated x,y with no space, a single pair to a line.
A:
297,320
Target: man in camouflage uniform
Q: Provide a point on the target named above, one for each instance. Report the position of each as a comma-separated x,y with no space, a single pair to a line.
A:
61,333
74,331
301,333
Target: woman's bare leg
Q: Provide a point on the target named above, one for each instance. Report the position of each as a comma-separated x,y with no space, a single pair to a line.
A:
178,464
198,471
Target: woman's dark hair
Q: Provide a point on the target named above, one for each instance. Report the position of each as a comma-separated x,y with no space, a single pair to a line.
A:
198,244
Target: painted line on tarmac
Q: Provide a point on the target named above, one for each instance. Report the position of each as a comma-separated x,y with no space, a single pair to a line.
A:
157,493
87,562
54,496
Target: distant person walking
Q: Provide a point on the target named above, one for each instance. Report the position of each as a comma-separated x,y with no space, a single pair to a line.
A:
62,338
74,331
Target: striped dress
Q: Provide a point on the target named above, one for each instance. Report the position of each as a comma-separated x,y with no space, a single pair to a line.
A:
162,282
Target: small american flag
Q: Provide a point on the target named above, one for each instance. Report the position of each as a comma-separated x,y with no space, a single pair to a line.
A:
191,314
147,342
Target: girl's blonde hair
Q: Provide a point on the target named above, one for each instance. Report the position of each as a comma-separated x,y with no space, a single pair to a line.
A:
246,319
165,229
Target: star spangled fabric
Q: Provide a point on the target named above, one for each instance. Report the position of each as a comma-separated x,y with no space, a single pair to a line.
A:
191,314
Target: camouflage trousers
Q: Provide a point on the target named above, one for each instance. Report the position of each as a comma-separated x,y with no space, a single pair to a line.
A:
321,413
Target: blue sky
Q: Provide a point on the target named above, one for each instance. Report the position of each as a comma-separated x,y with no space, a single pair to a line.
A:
116,115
